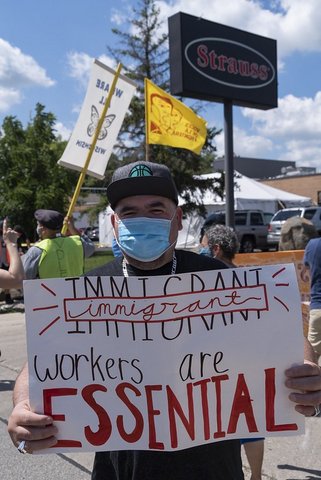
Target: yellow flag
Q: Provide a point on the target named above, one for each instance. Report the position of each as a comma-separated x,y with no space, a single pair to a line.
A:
170,122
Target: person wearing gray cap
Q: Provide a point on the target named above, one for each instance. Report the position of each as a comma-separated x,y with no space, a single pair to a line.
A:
146,223
56,256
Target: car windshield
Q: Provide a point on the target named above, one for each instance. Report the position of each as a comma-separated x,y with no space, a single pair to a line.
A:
285,214
308,214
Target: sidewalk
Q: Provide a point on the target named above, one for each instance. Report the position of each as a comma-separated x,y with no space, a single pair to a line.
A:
286,458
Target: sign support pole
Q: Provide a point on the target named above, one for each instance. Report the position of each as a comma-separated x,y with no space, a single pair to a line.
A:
229,163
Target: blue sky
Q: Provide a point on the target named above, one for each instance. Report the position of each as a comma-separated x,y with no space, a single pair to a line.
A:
47,46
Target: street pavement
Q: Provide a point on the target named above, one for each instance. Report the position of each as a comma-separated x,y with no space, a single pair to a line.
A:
286,458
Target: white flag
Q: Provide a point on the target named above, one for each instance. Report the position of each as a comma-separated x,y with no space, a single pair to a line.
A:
76,151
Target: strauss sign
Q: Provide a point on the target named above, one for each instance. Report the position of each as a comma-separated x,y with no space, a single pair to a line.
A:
214,62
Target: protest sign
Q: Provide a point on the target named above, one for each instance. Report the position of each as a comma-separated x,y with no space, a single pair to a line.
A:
289,256
76,151
164,362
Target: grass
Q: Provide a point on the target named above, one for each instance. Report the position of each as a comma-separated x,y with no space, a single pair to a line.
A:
98,259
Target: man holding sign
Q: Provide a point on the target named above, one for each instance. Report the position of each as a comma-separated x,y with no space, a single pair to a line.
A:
146,223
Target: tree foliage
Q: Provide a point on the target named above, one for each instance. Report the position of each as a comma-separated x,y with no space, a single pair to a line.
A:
31,178
144,51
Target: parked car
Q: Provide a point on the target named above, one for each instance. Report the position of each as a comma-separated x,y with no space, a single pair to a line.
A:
93,233
251,227
274,230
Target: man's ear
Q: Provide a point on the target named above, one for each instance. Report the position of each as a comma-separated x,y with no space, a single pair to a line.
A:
216,250
113,220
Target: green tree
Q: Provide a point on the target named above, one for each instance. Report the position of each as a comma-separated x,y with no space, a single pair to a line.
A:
31,178
145,51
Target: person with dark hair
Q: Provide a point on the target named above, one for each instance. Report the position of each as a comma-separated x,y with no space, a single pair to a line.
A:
55,255
23,241
146,223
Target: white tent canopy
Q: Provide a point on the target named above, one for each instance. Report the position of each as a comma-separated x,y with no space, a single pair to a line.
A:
248,194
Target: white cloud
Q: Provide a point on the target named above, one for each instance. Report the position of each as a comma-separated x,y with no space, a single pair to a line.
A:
17,71
304,153
80,64
294,117
117,17
246,145
290,132
295,24
9,97
62,131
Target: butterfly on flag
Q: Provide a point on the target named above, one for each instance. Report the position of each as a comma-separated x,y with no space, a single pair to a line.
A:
94,117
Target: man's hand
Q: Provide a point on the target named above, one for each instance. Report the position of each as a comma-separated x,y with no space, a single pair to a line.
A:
9,235
306,380
37,430
71,229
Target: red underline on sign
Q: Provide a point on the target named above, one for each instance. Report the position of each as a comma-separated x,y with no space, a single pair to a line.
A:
50,325
45,308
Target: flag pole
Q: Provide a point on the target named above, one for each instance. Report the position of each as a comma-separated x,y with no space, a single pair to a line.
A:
146,123
91,150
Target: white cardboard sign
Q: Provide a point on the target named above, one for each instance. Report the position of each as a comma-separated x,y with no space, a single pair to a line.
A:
166,362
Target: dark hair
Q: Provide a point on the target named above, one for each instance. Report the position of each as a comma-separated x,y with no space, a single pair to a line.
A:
18,229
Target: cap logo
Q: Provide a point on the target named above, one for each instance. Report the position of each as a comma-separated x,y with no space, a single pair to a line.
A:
140,171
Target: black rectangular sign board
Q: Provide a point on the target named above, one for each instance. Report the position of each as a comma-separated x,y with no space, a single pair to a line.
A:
214,62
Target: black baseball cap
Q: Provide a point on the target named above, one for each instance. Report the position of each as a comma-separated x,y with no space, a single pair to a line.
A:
49,218
141,178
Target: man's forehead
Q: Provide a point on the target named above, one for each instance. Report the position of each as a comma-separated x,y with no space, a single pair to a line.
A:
145,201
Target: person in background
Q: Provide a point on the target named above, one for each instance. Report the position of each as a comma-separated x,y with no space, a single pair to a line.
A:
312,261
295,234
4,263
55,255
204,248
223,244
13,277
23,241
146,222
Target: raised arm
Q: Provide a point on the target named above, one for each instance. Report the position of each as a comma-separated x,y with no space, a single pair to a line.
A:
14,276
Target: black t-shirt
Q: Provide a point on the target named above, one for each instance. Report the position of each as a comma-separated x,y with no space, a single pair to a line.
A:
214,461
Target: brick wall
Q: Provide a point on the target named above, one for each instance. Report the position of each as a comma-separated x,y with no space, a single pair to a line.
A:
306,185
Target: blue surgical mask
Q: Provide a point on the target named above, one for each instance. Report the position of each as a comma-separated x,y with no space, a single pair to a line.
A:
205,251
144,239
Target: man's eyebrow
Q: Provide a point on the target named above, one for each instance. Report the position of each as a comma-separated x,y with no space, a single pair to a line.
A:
156,203
125,209
152,204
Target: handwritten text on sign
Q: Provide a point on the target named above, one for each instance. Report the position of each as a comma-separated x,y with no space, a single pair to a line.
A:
164,362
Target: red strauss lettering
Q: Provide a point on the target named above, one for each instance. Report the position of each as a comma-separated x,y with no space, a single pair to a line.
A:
231,65
241,405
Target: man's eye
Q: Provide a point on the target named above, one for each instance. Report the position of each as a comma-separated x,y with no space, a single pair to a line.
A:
158,212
